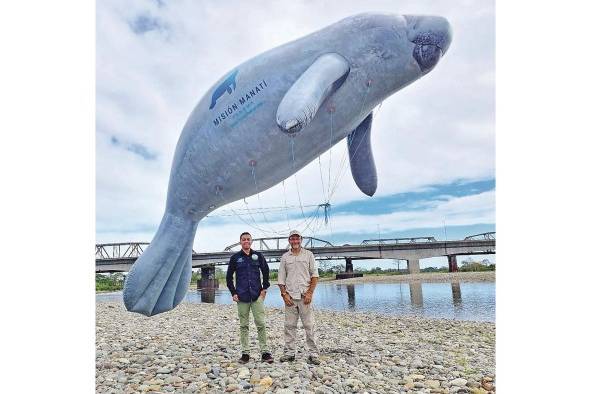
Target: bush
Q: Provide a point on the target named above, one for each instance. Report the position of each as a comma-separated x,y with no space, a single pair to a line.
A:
110,282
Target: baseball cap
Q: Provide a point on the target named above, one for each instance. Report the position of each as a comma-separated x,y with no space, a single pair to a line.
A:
294,232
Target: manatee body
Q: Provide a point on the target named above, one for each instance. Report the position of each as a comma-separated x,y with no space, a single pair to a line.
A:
272,115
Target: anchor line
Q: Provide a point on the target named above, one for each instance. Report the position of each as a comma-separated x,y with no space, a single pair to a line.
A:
342,165
295,175
285,203
255,226
321,178
330,152
259,198
257,210
306,222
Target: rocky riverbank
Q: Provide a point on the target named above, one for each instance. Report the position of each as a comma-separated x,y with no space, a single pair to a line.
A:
195,348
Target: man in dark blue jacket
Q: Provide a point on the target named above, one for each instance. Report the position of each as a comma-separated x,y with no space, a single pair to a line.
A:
249,294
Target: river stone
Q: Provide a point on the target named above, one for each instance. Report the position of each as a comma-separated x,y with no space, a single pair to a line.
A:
173,380
458,382
255,378
432,384
243,373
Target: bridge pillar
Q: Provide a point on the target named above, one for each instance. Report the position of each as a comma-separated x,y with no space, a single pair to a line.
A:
413,266
208,280
452,262
348,270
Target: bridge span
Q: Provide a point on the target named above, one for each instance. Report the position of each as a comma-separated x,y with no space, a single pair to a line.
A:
119,257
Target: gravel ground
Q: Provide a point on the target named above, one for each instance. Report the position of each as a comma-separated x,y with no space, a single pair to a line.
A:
195,348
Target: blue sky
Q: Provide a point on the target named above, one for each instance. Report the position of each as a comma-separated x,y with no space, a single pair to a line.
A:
433,142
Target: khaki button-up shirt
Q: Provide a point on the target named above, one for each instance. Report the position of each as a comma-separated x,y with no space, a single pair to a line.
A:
295,272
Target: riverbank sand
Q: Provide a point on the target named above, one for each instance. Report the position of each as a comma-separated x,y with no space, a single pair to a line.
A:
195,348
426,277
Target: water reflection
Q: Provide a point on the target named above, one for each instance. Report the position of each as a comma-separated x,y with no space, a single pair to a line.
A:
456,293
208,296
416,294
351,296
467,301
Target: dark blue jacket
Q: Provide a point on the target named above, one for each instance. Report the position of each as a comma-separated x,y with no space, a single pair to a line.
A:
248,279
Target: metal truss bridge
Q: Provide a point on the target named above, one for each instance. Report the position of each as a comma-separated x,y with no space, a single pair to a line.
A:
118,257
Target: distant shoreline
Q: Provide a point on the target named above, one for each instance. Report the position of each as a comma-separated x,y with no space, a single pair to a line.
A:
426,277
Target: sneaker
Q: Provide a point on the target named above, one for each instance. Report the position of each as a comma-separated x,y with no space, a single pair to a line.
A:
286,357
244,359
267,358
313,360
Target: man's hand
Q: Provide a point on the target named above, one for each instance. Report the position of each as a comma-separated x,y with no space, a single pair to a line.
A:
287,299
307,298
235,298
263,294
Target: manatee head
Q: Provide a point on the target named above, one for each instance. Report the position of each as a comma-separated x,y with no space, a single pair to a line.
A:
392,51
431,36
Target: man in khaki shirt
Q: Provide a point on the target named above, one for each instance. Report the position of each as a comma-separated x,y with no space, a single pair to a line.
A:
297,279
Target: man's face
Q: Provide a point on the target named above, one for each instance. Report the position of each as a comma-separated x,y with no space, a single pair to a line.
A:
245,241
295,241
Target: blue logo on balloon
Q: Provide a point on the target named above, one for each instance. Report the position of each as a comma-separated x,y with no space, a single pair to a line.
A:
228,85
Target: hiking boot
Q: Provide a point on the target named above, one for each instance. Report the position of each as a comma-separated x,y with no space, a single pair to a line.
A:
286,357
313,360
267,358
244,359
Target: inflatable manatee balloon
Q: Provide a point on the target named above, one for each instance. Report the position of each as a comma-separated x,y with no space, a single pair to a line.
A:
274,114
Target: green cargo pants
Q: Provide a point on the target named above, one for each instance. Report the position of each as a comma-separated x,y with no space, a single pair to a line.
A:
258,312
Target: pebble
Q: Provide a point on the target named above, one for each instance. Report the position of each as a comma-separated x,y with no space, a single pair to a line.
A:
458,382
195,348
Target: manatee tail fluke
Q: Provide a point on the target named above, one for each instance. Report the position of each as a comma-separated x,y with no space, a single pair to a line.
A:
159,279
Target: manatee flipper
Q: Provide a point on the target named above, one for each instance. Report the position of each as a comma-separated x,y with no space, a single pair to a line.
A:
159,279
301,102
361,159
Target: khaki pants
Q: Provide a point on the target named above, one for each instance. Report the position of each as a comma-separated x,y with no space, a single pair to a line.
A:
258,312
306,314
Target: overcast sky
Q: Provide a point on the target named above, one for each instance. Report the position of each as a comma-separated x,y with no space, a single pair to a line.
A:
433,142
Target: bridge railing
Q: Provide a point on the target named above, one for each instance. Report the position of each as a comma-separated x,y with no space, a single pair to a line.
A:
276,243
397,240
120,250
486,236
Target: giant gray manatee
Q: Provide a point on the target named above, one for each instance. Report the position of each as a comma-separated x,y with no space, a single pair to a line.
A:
274,114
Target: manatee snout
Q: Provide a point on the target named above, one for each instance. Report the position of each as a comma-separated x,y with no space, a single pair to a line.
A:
432,36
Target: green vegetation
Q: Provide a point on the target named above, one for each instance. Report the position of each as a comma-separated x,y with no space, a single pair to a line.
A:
476,266
219,275
109,282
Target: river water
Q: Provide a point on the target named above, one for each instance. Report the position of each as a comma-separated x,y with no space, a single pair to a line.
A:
459,301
